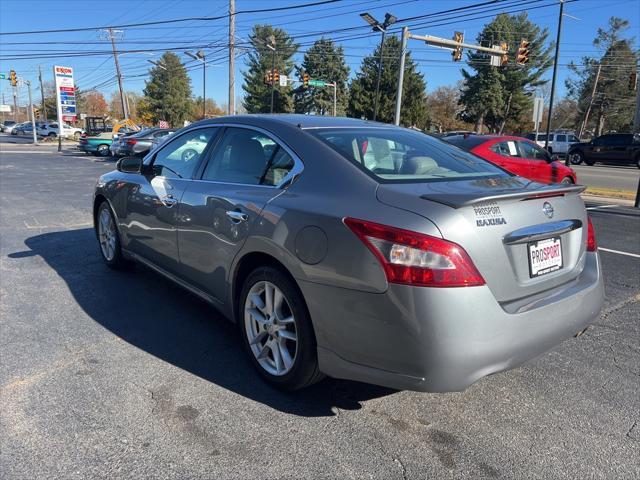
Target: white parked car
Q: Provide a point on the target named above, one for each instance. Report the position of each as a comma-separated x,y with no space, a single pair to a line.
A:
559,142
51,129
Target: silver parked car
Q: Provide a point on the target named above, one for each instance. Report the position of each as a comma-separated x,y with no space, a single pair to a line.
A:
355,249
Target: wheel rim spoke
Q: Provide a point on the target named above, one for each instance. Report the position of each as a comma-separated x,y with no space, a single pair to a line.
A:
270,328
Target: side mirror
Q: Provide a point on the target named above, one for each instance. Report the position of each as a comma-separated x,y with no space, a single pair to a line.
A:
129,165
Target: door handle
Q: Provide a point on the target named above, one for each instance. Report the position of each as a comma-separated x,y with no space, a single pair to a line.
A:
168,200
237,216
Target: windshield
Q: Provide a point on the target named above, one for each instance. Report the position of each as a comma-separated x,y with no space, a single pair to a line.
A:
394,155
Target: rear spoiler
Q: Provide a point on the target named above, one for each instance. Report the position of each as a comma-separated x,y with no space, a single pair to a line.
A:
458,200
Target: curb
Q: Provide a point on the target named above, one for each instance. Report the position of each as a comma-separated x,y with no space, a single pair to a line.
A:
607,200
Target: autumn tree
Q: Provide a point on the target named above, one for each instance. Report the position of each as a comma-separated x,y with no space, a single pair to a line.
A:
259,61
444,109
363,88
95,105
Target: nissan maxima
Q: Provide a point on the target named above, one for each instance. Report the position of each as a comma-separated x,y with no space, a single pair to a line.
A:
356,250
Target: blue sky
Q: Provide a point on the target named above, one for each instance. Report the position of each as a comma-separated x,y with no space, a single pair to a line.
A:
98,70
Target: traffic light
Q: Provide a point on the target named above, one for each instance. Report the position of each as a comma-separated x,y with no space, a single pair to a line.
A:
305,80
268,77
276,76
504,58
458,37
633,81
13,78
36,112
523,52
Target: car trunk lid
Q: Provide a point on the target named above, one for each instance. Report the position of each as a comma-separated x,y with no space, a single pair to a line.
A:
496,220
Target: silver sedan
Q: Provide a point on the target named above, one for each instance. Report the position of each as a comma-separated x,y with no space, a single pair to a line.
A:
356,250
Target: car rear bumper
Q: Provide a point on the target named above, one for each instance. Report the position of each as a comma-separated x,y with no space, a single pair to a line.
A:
437,340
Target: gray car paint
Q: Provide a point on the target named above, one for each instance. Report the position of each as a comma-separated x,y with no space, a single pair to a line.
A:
430,339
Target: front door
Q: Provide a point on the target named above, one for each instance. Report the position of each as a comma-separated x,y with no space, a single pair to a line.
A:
542,169
152,202
219,210
506,154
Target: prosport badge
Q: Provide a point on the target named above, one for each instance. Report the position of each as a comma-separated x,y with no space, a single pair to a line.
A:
547,209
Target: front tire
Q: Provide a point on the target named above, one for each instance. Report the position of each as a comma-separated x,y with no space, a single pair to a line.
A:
276,330
109,238
567,181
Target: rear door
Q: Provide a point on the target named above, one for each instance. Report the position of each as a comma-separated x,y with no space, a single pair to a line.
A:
219,209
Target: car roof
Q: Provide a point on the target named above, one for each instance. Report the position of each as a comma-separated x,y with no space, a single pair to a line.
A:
301,121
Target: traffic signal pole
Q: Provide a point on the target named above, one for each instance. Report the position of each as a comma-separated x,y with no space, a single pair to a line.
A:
273,79
33,116
436,42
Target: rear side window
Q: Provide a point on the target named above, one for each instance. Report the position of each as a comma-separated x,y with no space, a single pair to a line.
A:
506,149
395,155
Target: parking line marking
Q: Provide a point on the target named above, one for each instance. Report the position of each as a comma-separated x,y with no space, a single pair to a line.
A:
635,255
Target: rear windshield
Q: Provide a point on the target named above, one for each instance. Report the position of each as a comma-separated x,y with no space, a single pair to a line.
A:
395,155
466,141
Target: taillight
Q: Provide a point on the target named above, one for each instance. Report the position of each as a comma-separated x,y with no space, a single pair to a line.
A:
413,258
131,141
592,246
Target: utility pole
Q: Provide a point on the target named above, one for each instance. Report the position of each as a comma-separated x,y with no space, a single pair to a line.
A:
111,35
33,117
44,108
3,104
636,126
231,108
555,71
403,54
15,104
583,125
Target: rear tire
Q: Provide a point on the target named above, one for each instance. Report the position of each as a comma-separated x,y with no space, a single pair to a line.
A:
576,158
103,150
109,238
276,330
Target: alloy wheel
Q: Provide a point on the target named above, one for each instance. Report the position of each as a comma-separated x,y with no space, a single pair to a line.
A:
107,234
575,159
270,328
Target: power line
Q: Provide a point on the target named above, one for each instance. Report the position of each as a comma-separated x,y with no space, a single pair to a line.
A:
175,20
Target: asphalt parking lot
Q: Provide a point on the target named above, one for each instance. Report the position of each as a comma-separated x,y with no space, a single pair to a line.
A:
123,375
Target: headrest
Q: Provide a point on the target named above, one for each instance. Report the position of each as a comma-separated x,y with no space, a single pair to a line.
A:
247,155
418,165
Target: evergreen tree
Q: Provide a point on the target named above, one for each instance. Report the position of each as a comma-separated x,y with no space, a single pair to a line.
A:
168,92
363,87
613,103
323,61
497,95
260,60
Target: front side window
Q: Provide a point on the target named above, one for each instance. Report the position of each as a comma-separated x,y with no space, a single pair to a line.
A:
532,151
506,149
404,156
573,139
561,138
248,157
179,157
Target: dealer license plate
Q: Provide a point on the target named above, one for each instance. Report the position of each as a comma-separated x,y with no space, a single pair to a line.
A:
545,256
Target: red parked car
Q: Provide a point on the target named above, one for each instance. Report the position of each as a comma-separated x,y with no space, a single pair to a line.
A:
517,155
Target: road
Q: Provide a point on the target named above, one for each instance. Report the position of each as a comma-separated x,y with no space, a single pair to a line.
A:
109,375
609,177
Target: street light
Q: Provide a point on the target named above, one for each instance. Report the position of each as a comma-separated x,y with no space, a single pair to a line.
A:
157,64
200,57
271,45
382,28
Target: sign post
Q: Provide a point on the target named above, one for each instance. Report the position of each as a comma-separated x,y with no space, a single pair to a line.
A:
538,109
65,98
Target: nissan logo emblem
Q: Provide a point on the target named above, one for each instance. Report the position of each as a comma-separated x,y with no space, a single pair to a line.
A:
547,209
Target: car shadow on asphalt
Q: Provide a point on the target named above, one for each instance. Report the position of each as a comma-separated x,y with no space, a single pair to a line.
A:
162,319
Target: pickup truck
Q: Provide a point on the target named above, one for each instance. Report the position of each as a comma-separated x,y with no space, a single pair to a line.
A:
617,148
